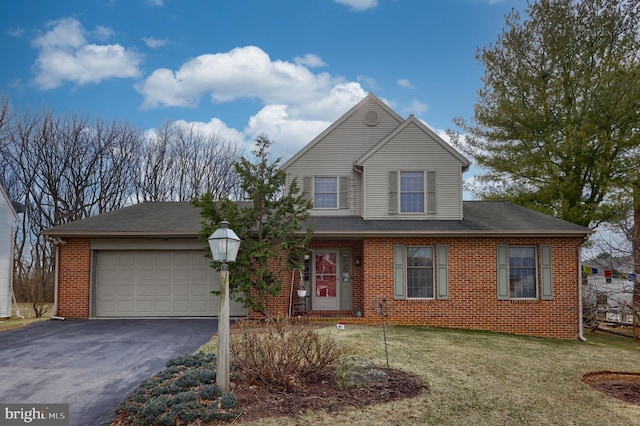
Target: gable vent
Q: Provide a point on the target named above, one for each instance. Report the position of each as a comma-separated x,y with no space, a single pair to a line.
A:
371,118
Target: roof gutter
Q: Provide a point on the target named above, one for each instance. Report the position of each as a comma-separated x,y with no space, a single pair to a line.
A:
441,233
86,234
338,234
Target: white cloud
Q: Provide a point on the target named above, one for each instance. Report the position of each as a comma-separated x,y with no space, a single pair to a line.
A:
293,126
288,134
403,82
15,32
155,3
297,104
214,127
155,43
359,5
416,108
103,33
368,81
310,60
66,55
63,33
244,72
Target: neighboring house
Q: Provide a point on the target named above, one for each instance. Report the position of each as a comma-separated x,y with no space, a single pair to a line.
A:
388,220
8,218
607,286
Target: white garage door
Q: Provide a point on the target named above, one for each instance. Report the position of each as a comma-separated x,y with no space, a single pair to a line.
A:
147,283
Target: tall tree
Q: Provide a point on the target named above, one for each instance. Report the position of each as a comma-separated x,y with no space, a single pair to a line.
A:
267,222
556,124
178,162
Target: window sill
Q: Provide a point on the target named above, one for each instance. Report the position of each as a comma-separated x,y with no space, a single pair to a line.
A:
421,299
525,301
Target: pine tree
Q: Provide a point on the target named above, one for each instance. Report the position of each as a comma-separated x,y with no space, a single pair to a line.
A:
268,221
556,124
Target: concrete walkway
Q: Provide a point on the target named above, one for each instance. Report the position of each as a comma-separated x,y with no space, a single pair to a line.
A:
91,364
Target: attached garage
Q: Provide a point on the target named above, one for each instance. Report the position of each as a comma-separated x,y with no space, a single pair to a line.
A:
154,283
142,261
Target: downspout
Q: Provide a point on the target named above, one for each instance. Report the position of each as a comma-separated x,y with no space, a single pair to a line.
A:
57,242
580,319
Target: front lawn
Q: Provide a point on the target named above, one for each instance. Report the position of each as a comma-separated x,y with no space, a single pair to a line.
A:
483,378
488,379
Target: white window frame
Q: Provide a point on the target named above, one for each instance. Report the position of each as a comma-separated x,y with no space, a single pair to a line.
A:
432,267
337,193
424,192
535,271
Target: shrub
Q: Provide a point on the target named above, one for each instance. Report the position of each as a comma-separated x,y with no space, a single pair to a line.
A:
228,401
153,408
183,397
281,353
208,392
172,395
189,411
166,420
189,378
207,376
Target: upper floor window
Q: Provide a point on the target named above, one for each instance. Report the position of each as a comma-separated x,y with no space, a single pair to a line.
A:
411,192
325,192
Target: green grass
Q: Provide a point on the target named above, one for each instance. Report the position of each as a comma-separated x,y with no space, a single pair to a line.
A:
480,378
29,317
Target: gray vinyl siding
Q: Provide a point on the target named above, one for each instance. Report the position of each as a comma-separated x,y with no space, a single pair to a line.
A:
413,150
335,154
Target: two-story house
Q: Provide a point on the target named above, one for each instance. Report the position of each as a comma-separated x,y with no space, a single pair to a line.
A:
388,212
388,220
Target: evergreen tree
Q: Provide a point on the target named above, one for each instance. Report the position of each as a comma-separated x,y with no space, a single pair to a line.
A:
267,221
556,124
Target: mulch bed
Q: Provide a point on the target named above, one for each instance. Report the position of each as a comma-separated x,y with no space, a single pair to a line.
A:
322,392
619,385
319,393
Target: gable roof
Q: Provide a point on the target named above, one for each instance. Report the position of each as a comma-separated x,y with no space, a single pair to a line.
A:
481,218
413,120
369,98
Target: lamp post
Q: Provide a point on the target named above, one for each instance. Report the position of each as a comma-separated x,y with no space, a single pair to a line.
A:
224,244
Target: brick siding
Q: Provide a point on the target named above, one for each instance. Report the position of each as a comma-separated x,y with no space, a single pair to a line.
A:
74,279
472,301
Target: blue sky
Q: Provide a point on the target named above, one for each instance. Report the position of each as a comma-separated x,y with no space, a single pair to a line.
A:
287,68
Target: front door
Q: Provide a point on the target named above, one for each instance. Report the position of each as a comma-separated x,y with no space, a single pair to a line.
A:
325,280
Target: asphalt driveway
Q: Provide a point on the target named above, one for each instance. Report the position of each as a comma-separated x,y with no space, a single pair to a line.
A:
91,364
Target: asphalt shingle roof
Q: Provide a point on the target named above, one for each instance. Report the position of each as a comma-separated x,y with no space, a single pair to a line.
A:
183,219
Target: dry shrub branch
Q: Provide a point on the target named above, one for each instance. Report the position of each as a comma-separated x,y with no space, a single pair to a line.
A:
281,352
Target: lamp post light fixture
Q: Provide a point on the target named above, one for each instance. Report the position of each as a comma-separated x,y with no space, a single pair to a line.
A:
224,244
